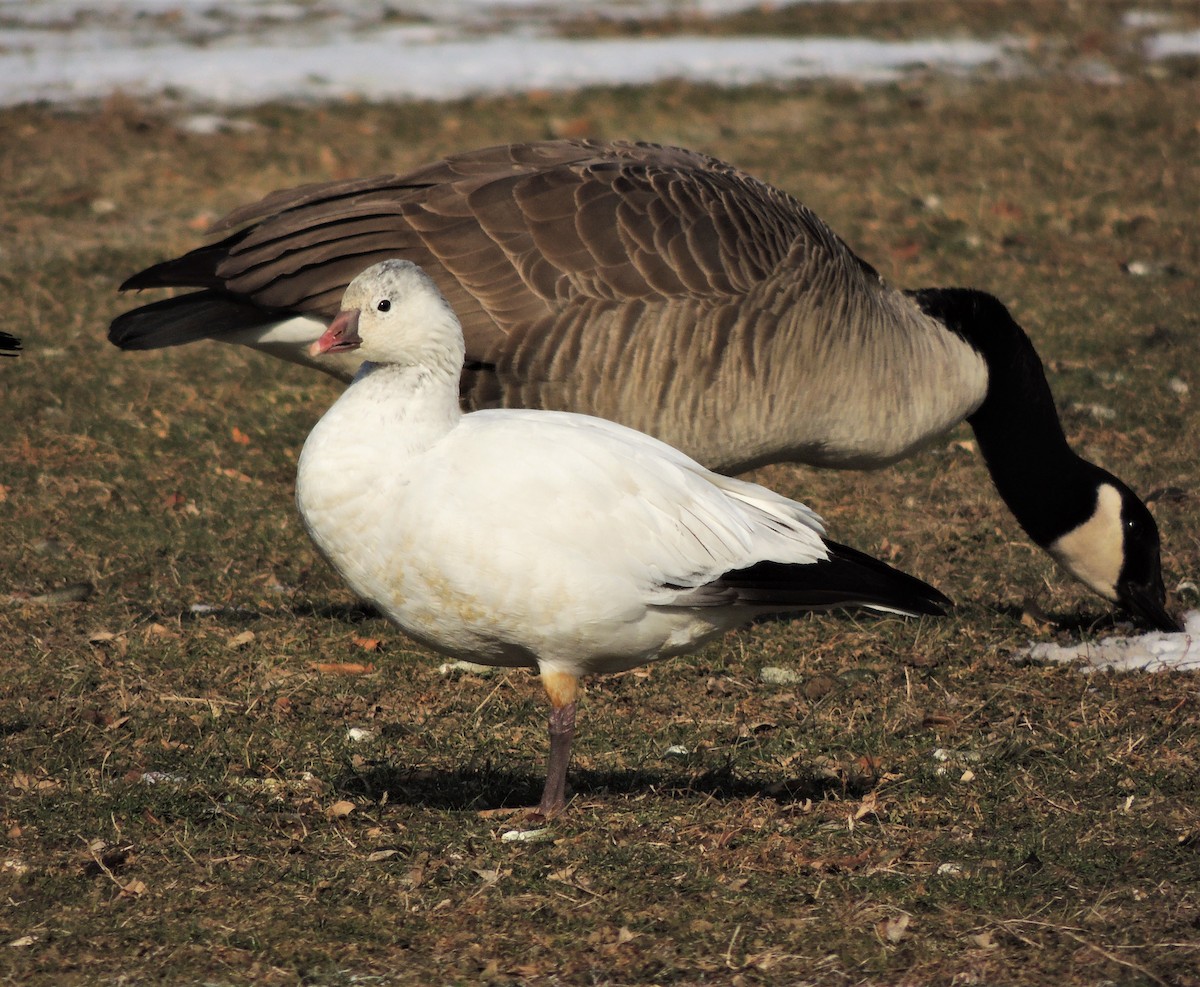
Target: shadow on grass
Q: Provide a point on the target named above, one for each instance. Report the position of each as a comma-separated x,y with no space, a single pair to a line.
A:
347,613
1082,623
476,789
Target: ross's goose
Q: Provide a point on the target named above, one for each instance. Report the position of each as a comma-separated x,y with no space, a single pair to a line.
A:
550,540
667,290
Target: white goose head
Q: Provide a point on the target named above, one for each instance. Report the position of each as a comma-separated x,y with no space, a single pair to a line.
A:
393,313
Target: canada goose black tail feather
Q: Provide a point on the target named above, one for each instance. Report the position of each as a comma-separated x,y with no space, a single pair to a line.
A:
183,319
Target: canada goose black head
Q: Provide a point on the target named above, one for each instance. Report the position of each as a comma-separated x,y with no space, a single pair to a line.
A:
1089,521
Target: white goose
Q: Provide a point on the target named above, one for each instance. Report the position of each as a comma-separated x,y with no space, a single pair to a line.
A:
550,540
671,292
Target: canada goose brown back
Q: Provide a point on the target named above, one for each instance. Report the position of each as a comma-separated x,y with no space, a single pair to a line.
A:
669,291
657,287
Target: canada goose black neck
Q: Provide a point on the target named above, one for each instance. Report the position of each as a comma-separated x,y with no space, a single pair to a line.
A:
1083,515
1049,488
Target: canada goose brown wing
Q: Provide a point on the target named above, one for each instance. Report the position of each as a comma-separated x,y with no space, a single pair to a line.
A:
515,234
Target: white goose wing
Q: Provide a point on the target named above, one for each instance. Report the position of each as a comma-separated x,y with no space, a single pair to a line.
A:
634,507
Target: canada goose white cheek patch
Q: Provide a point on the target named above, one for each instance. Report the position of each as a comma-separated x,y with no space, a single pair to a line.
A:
1095,551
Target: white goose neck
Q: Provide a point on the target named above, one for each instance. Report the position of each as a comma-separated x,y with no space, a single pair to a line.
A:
404,408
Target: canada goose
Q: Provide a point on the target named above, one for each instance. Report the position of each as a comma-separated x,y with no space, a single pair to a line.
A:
544,539
669,291
10,345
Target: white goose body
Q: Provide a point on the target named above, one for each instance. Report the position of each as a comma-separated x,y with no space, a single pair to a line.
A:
552,540
426,516
666,290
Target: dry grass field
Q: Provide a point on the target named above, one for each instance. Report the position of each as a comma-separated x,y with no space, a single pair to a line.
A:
181,800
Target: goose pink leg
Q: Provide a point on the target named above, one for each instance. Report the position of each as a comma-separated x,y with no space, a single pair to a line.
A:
563,690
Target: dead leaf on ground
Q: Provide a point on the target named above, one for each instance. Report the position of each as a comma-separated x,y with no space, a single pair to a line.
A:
29,783
846,862
1034,617
342,667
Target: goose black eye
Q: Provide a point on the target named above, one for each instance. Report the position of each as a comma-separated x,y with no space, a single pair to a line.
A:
384,305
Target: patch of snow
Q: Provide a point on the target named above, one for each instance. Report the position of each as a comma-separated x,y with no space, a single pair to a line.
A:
527,836
252,52
1171,44
1156,651
207,124
774,675
459,667
408,63
1143,20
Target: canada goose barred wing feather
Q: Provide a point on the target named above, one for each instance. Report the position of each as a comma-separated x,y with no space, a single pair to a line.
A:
523,230
610,278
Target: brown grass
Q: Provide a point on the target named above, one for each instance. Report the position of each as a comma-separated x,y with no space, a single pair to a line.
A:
809,835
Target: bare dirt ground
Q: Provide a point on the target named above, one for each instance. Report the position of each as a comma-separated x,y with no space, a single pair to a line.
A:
180,797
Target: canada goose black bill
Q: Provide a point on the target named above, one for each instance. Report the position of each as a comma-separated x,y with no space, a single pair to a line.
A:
671,292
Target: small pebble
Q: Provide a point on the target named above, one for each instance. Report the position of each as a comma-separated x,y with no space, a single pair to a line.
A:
946,754
1101,412
161,778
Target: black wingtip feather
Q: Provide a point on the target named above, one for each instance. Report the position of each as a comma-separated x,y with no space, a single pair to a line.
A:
848,578
10,345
